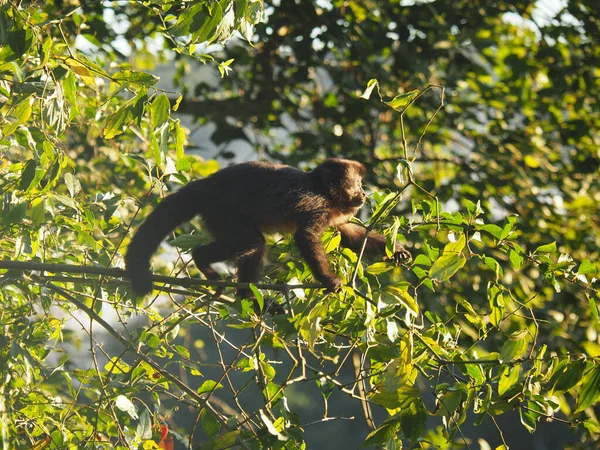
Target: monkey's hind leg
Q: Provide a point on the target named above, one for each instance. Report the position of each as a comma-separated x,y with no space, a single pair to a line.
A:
249,270
205,255
242,243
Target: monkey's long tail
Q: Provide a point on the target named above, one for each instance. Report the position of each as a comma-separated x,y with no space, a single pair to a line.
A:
174,210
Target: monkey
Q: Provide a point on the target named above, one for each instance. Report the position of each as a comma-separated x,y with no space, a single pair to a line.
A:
239,203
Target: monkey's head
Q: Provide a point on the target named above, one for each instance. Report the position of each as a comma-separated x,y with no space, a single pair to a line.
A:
342,180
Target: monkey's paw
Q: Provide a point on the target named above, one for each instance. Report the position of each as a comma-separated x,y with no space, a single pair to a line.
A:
333,283
401,255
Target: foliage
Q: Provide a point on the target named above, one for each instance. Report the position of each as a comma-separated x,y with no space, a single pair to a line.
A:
496,313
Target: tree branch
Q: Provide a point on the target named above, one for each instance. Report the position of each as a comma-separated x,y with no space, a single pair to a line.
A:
23,266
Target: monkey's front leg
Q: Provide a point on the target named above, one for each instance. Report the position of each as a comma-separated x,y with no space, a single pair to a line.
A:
311,248
353,236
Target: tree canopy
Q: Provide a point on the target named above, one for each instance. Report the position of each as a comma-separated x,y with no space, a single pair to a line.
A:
479,125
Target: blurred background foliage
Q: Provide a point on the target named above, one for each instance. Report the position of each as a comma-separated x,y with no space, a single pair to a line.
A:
505,269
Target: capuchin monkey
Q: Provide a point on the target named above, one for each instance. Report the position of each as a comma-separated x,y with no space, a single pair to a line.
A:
237,204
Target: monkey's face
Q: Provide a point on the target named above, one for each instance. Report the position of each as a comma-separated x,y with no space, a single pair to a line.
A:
343,180
355,192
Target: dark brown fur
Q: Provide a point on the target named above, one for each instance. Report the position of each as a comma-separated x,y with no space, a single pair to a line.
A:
239,203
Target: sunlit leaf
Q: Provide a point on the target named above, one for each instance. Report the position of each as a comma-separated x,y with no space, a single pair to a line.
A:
400,102
372,84
209,386
135,77
381,435
590,390
508,377
160,110
125,405
546,248
379,268
530,415
446,266
513,349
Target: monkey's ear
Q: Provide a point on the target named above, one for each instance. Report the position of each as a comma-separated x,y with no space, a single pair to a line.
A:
362,170
328,172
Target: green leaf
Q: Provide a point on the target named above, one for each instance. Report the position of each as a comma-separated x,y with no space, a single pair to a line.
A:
496,302
475,371
422,260
446,266
591,425
457,246
466,305
380,267
516,259
116,366
20,115
15,215
72,183
37,212
413,420
189,20
27,175
396,399
400,102
135,77
183,351
222,442
590,390
493,264
273,392
518,335
311,328
69,85
404,298
512,350
390,241
184,164
566,376
546,248
210,425
385,202
332,241
67,201
144,427
179,142
381,435
131,111
118,121
586,267
209,386
492,229
473,209
19,40
508,377
160,110
260,300
531,415
188,241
